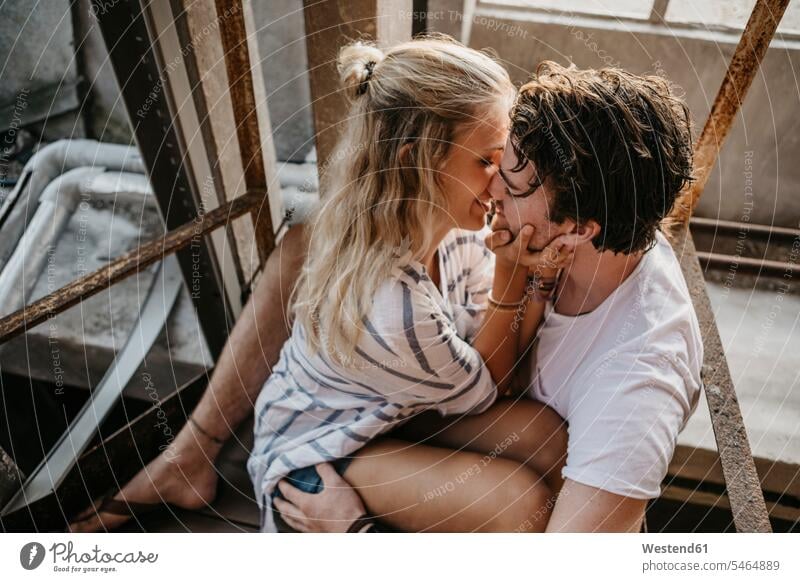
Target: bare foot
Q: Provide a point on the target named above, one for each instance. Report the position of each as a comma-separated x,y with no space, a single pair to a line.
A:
182,475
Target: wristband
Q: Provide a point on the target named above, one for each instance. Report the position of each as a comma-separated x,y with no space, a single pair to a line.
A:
361,524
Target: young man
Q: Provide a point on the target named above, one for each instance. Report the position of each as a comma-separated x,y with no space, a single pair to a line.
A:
599,156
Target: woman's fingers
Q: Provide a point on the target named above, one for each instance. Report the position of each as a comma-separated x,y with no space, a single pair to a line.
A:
554,256
519,247
524,237
558,253
507,247
497,239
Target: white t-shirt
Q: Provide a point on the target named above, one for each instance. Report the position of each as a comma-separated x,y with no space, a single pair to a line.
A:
626,377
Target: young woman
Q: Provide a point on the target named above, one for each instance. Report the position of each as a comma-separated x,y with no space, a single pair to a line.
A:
401,308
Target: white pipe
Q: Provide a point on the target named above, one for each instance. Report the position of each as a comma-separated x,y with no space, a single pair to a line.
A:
56,205
46,165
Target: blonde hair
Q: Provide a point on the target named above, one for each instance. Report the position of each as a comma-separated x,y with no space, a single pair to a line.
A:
380,196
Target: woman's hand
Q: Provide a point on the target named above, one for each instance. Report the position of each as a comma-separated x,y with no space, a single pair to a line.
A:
515,252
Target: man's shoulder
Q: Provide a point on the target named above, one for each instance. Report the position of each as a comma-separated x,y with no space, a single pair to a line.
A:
672,320
662,271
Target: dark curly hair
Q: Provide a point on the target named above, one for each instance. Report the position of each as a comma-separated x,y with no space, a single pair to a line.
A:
616,148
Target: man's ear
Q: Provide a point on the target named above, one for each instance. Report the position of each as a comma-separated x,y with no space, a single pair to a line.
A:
580,233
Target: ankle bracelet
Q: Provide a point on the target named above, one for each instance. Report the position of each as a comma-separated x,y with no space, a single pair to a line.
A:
204,432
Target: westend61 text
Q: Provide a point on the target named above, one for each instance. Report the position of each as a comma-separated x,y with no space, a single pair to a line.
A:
675,549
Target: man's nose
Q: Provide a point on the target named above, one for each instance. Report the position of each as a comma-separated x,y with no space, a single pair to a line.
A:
497,187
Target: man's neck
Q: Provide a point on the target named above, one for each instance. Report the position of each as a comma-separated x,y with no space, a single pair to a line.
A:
591,278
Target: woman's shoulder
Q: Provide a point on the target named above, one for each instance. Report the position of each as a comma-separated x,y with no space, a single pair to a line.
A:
407,284
406,298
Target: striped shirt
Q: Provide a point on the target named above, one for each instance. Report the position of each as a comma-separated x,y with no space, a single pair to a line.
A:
414,354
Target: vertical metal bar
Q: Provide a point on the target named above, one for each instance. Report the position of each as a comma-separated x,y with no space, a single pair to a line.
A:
659,11
741,478
329,25
146,94
742,70
736,457
419,24
230,15
188,50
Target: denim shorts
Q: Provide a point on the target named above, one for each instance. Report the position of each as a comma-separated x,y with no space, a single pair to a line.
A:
308,479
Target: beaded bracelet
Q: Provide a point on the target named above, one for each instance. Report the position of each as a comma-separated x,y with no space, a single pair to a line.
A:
540,289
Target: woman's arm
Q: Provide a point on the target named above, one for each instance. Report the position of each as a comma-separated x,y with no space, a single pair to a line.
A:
509,314
497,339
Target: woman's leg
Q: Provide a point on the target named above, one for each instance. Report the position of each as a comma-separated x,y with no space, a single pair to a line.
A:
184,474
415,487
523,430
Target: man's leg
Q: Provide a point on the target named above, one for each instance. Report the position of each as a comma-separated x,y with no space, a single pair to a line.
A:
184,474
415,487
522,429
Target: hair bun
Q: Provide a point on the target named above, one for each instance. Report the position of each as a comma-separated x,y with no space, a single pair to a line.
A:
355,64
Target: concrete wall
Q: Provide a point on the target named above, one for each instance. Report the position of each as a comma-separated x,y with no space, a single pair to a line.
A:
282,47
281,38
758,174
107,117
36,49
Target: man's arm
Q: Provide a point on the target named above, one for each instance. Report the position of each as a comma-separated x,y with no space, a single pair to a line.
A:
582,509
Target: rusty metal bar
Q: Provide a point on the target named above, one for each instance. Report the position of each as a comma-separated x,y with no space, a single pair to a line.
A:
128,264
658,13
762,266
742,70
736,458
230,16
761,230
